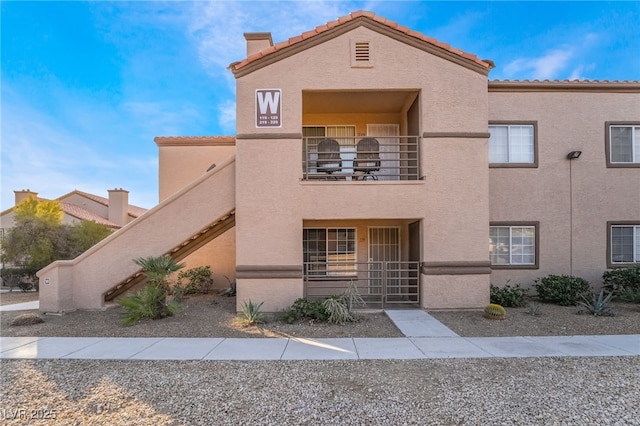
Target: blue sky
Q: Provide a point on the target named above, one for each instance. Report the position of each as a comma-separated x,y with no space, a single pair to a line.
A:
86,86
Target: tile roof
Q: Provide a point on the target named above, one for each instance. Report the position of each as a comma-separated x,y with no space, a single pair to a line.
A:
84,214
354,16
134,211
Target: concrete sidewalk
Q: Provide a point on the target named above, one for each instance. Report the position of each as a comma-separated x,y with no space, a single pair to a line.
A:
426,338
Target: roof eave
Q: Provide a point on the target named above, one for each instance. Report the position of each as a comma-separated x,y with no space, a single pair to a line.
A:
331,30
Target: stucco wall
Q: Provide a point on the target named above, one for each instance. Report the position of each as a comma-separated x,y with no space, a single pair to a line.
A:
452,199
566,121
183,162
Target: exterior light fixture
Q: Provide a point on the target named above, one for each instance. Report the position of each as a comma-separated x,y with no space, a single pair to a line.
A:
574,154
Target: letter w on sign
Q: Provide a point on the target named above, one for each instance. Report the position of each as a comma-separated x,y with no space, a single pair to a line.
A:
268,108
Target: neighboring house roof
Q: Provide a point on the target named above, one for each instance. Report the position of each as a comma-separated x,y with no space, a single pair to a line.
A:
347,23
84,214
134,211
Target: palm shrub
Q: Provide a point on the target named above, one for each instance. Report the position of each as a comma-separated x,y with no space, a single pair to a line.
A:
564,290
147,303
151,301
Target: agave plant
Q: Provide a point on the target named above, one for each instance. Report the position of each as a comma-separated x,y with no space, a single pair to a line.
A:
598,305
251,314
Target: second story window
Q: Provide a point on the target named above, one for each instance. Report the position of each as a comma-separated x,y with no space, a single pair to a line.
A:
512,145
623,145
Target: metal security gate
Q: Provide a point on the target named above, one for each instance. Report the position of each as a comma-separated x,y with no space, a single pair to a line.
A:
381,284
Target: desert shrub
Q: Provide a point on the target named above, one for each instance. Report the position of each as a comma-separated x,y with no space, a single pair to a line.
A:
195,281
623,281
336,309
147,303
630,295
24,278
305,308
27,319
251,313
508,296
564,290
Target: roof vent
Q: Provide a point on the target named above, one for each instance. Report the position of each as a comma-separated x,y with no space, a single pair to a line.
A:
361,54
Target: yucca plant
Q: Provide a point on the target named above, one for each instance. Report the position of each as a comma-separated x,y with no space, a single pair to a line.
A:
598,305
251,314
338,311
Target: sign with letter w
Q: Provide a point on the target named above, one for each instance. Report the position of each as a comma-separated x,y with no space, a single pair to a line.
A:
268,108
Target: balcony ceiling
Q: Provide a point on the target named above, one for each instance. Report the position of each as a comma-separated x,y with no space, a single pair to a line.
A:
387,101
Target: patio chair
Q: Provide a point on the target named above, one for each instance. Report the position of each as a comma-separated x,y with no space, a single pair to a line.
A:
329,160
367,157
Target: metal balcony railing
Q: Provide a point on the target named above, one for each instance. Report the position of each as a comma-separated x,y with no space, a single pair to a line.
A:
348,158
379,283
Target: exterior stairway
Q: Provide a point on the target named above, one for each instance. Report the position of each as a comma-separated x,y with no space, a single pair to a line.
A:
178,226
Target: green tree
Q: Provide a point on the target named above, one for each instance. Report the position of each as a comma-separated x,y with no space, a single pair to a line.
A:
39,237
85,235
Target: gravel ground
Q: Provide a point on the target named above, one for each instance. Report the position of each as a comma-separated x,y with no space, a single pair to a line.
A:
523,391
528,391
199,316
214,316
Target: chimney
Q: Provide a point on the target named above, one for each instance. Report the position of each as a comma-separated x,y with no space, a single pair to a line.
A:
24,194
118,206
257,42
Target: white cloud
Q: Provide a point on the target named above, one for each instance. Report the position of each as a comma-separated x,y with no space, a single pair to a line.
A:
40,154
544,67
217,29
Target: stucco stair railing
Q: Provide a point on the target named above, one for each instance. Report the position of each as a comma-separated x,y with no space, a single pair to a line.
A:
179,252
177,226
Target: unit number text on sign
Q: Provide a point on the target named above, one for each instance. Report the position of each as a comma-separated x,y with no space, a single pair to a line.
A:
268,108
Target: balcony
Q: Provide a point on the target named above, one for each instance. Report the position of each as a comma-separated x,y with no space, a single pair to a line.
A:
362,158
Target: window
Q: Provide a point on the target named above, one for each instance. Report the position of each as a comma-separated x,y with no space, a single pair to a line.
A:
512,144
329,251
513,245
624,243
623,145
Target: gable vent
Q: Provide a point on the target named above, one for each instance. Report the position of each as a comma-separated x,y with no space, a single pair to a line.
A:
362,51
361,54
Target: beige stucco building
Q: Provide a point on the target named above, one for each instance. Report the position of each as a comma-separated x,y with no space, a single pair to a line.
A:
366,152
